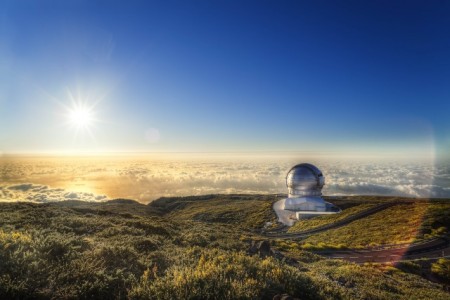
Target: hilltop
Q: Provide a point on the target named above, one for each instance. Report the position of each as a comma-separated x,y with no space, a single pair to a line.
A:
211,246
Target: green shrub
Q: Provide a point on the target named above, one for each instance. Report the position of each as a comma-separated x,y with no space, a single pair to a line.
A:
219,274
441,268
85,250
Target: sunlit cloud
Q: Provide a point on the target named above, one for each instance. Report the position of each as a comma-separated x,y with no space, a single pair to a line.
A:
146,179
42,194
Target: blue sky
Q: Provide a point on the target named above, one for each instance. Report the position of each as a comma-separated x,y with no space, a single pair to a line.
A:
226,75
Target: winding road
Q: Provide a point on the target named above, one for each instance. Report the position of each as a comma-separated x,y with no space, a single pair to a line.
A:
431,249
284,235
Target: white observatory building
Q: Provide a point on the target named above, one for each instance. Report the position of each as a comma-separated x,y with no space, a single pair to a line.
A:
304,182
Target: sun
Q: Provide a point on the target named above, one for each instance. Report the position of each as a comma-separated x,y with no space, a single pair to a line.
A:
81,116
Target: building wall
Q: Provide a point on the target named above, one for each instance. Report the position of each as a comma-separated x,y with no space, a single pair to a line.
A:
305,203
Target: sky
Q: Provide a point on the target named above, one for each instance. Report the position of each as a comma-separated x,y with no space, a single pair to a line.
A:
225,76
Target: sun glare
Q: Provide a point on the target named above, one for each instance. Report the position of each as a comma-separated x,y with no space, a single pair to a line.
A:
80,117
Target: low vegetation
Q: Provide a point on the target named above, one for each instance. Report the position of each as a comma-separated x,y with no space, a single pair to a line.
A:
178,248
319,221
441,269
403,223
244,211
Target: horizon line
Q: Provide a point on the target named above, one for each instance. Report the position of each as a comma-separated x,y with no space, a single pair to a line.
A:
342,153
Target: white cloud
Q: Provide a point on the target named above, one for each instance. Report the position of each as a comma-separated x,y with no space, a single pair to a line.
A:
42,193
146,179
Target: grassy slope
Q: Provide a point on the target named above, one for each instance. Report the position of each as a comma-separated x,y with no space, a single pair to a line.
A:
245,211
306,224
174,248
398,224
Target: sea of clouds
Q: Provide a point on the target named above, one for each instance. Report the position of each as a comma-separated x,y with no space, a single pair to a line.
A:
142,178
42,193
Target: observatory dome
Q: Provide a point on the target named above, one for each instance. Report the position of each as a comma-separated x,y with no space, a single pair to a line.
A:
304,180
305,183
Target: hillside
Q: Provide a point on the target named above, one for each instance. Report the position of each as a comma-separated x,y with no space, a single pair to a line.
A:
191,247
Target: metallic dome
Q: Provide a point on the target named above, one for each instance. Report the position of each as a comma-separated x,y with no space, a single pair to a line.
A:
305,180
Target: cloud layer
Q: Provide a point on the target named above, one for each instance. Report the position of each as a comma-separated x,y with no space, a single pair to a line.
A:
145,179
42,193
